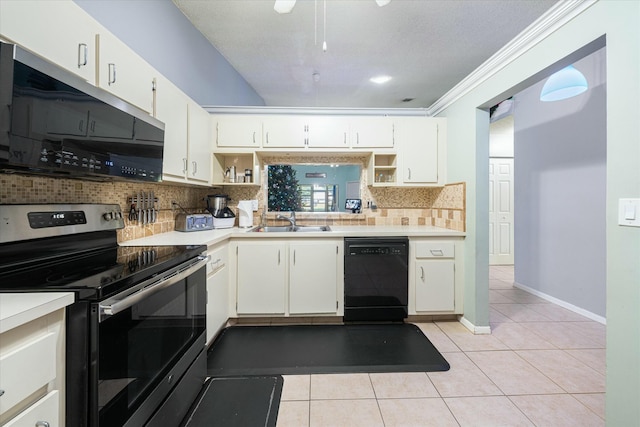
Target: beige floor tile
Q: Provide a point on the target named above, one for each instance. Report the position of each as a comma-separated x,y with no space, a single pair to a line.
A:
557,410
594,331
565,370
341,386
496,297
520,313
293,414
492,411
500,284
562,334
467,341
338,413
438,338
593,358
496,317
594,401
402,385
522,297
296,387
463,379
557,313
517,337
416,412
512,374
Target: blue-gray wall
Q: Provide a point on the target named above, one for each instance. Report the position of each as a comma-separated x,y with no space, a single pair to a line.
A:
160,33
560,191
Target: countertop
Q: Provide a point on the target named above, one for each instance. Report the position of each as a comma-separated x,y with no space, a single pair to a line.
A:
19,308
211,237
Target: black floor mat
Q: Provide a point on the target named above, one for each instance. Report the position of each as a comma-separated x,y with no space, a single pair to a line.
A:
237,402
322,349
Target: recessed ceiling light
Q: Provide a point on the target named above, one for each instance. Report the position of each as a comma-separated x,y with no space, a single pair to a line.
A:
380,79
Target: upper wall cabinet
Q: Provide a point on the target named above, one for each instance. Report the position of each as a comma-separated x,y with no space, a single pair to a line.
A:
422,149
172,110
371,132
200,141
238,130
305,131
59,31
123,73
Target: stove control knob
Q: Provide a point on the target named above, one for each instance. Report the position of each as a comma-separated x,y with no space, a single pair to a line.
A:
108,216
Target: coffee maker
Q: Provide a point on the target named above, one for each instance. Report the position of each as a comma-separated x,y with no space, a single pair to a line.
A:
223,217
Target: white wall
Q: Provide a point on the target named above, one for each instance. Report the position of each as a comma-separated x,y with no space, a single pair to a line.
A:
560,193
467,161
160,33
501,137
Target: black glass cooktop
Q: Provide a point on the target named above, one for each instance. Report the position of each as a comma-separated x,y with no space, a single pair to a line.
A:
94,274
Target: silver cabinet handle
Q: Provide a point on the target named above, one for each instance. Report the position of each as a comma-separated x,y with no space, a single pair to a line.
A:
254,137
112,74
83,54
42,424
393,135
195,167
345,137
267,137
437,252
422,275
409,171
357,137
278,256
294,257
184,165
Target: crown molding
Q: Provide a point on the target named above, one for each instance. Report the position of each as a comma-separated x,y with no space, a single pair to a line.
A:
557,16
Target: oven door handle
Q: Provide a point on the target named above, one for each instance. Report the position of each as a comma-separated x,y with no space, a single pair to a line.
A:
149,287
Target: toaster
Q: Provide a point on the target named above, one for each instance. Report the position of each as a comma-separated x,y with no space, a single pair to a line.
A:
194,222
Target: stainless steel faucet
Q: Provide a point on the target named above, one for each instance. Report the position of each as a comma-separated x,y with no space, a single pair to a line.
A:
291,218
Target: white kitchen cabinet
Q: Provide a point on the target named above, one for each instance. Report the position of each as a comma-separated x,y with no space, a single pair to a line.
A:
123,73
261,277
285,131
238,130
171,108
32,358
313,276
217,289
421,150
200,144
327,132
60,31
371,132
434,279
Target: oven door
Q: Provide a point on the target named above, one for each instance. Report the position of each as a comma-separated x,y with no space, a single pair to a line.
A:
143,335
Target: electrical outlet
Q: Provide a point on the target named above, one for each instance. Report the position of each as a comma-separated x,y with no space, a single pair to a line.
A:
254,205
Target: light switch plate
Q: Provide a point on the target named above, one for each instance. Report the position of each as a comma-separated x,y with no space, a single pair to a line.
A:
629,212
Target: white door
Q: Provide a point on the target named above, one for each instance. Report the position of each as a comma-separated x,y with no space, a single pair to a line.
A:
501,211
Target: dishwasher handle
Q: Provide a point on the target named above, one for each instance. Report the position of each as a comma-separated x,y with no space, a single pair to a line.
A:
151,286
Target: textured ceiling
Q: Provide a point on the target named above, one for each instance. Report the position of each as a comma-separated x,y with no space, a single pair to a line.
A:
426,46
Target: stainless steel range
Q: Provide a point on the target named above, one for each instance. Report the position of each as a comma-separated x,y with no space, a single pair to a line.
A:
135,337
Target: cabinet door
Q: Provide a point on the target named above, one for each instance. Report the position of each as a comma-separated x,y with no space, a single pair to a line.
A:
45,410
200,144
261,278
217,301
123,73
418,144
238,130
371,132
172,110
285,131
435,285
59,31
328,131
313,277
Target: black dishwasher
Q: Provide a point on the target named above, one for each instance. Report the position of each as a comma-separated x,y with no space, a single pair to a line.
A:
375,279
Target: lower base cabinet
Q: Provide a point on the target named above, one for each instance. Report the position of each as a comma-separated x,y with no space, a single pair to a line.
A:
435,277
289,277
217,290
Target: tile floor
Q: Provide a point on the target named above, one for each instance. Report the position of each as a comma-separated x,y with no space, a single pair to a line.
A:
542,366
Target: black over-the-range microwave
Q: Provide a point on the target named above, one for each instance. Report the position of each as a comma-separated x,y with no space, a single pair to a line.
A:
54,123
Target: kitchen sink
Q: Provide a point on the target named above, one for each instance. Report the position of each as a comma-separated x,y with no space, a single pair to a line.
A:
290,229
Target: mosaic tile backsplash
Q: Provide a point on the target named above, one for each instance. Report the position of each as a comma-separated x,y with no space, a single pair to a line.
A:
442,207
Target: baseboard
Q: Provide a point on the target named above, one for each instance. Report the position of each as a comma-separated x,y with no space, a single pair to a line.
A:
561,303
476,330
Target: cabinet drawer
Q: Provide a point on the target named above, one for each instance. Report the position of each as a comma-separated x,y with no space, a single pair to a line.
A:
219,257
45,409
435,250
26,369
